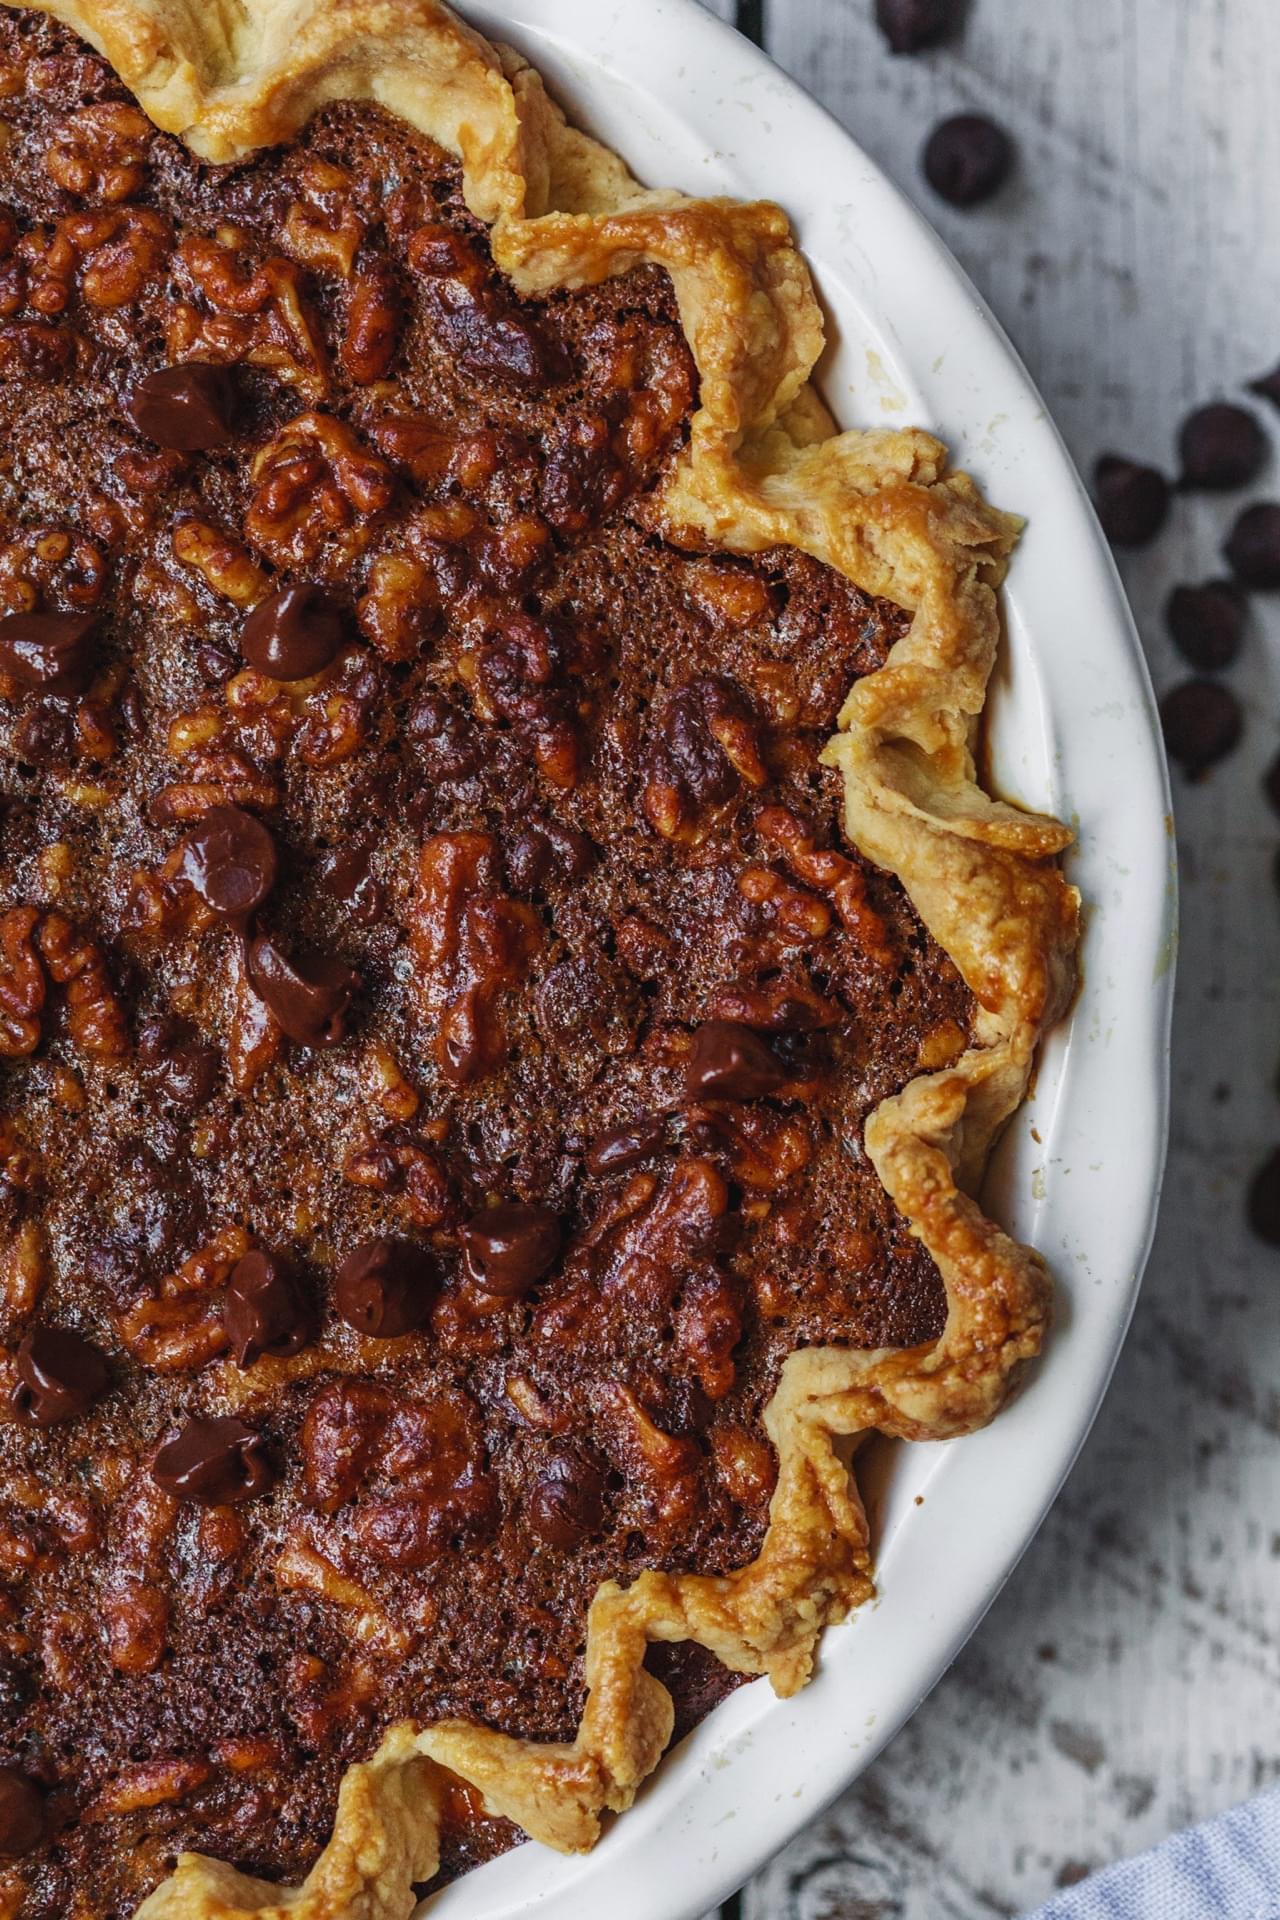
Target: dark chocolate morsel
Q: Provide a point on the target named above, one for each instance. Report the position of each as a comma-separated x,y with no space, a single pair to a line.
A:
967,159
507,1248
187,408
566,1501
60,1375
22,1814
1253,546
309,996
730,1062
1264,1200
1267,387
263,1310
214,1463
385,1288
48,652
230,860
294,633
911,25
1221,446
620,1148
1207,623
1202,722
1132,500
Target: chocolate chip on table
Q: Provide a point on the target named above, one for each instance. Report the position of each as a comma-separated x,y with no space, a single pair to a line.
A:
263,1310
385,1288
566,1502
214,1463
309,996
1206,623
508,1248
911,25
60,1375
967,159
48,652
730,1062
22,1814
618,1149
1132,500
187,408
1263,1204
1221,446
1253,546
294,633
1268,386
1202,722
230,860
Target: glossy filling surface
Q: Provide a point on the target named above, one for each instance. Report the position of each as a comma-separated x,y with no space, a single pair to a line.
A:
438,1013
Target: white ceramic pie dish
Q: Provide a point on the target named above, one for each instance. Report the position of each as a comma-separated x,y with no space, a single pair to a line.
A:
1073,732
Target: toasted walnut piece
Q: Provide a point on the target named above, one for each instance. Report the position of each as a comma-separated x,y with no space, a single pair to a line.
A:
474,313
50,568
661,1468
384,1083
704,743
136,1621
318,490
342,1435
221,562
162,905
833,873
371,330
23,1271
728,594
115,253
20,1165
470,941
301,1569
765,1150
787,1003
254,1037
322,228
100,152
747,1466
408,1170
259,313
524,673
796,914
215,778
708,1326
400,606
151,1783
22,983
178,1327
95,1014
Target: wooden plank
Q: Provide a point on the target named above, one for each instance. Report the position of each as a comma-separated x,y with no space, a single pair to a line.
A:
1125,1682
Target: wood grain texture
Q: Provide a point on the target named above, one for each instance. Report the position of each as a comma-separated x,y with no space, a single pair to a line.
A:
1125,1683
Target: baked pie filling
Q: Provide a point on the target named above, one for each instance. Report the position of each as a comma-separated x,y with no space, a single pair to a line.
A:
439,1008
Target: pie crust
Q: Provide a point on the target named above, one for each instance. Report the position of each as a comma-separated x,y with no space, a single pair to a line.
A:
764,466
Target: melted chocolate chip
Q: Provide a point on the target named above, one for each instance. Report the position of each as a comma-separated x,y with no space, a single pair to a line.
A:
214,1463
1202,722
1207,623
309,996
385,1288
620,1148
345,875
507,1248
263,1310
1132,500
1263,1205
730,1062
566,1502
22,1814
43,737
1268,386
1253,547
187,408
1221,446
60,1375
48,652
294,633
911,25
176,1063
967,159
230,860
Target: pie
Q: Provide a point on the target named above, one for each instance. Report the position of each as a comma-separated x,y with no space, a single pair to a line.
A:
508,978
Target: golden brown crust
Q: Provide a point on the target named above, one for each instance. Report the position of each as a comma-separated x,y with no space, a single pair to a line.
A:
763,467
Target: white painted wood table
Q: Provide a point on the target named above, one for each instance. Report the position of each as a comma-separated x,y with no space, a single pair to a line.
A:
1126,1681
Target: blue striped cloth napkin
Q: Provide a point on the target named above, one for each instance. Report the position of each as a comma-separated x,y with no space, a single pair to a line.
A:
1228,1869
